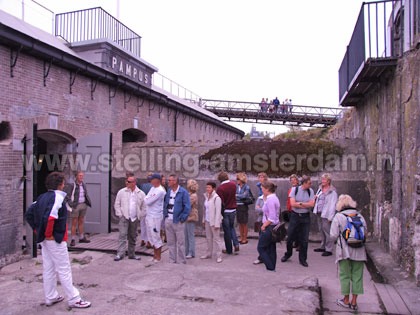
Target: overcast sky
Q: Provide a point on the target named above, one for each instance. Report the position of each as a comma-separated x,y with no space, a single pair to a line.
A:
234,49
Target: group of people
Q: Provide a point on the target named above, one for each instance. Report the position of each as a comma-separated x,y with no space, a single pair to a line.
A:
175,210
274,106
175,204
177,207
332,213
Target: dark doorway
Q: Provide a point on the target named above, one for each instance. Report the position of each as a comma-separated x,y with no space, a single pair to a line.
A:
133,135
53,150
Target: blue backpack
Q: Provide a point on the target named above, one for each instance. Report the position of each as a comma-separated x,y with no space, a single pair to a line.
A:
354,231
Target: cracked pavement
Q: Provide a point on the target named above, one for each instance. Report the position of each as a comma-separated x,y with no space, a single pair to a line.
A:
235,286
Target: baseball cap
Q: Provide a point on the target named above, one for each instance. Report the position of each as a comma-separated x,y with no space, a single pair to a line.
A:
155,176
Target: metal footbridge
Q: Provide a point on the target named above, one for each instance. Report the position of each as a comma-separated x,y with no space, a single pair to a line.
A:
291,115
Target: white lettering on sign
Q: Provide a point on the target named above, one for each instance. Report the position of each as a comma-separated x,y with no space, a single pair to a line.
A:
129,70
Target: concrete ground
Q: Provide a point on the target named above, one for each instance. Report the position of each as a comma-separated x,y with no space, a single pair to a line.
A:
235,286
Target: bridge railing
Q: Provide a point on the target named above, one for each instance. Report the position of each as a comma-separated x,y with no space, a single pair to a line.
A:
254,107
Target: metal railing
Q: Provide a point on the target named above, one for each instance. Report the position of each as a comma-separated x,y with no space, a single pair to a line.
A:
384,29
284,113
256,107
166,84
93,24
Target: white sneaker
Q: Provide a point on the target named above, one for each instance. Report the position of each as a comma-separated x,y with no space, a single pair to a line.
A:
219,260
257,262
205,257
189,256
80,304
58,299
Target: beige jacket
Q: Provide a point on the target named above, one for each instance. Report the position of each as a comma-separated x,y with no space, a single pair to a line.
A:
343,251
215,210
193,216
122,203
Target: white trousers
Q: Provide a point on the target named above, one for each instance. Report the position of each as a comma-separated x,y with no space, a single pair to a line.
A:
153,231
143,230
55,261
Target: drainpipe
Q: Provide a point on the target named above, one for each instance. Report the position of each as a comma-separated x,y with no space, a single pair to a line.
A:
175,125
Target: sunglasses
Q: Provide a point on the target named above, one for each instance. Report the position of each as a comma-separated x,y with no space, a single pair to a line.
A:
129,181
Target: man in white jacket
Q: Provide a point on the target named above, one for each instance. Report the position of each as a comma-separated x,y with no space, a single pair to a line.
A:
130,208
326,199
154,208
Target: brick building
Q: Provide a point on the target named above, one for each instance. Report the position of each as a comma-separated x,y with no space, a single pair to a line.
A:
80,97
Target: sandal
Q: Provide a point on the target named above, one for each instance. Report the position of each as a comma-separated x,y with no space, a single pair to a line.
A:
341,302
354,307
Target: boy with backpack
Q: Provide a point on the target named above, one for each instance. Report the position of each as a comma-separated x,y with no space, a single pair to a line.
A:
348,228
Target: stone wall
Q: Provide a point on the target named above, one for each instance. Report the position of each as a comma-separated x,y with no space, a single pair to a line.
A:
387,121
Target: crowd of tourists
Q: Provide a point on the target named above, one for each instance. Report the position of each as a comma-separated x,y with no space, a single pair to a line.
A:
167,212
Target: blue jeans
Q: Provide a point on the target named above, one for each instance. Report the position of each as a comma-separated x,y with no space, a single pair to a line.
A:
298,229
267,249
229,231
189,239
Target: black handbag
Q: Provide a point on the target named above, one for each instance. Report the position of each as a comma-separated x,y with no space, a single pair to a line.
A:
279,232
248,200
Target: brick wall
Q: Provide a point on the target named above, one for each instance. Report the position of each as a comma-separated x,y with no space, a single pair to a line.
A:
24,100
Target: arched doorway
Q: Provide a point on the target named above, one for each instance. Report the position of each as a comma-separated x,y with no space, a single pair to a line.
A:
54,149
133,135
48,150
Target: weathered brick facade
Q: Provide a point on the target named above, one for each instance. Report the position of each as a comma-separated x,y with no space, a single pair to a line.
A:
71,105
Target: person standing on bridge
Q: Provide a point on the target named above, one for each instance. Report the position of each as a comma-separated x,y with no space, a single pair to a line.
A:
263,105
290,105
276,104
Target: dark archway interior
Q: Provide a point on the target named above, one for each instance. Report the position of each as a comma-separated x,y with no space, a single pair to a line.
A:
51,148
5,132
133,135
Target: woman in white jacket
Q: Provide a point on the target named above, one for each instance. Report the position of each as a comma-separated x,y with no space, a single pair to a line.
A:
212,220
350,260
